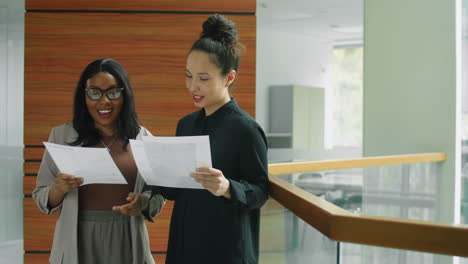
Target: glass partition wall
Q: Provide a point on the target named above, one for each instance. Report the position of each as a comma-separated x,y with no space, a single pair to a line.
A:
464,143
464,133
309,77
309,101
11,204
11,130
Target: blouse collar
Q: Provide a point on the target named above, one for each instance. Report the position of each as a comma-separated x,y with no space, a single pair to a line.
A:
227,107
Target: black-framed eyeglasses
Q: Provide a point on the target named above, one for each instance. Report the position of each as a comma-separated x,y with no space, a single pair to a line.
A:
112,93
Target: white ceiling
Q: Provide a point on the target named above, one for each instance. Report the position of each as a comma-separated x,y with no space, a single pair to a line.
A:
340,21
337,20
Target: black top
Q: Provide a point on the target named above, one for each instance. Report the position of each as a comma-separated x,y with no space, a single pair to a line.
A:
209,229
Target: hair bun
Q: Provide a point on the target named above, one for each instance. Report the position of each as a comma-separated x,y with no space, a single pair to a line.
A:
221,29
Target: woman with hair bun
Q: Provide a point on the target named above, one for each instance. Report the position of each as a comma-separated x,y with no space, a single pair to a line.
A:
220,223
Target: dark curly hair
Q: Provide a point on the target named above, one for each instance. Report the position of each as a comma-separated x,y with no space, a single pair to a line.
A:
127,122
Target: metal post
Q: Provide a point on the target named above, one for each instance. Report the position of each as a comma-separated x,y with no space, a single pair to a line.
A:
338,252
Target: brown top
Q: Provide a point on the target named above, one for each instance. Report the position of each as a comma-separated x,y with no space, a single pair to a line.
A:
104,196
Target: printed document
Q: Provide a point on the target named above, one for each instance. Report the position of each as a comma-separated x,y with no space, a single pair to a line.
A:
95,165
169,161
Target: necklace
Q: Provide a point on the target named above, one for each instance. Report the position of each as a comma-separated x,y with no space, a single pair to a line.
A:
110,144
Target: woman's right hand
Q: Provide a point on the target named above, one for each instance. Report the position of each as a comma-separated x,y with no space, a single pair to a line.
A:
65,182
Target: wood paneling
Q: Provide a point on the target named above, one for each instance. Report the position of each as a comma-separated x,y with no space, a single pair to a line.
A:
29,183
41,258
156,5
33,153
34,258
31,167
152,47
160,258
158,231
39,228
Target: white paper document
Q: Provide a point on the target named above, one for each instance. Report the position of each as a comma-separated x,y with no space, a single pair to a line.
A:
169,161
95,165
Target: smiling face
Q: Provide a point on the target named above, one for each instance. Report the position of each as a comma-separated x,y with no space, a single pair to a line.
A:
203,79
105,112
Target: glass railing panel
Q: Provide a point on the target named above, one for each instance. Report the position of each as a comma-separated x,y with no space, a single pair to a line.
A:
403,191
286,239
406,191
360,254
273,233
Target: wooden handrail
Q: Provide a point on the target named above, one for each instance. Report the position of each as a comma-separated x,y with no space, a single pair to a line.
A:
341,225
309,166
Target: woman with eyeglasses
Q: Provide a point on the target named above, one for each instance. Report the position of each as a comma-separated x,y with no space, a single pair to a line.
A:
99,223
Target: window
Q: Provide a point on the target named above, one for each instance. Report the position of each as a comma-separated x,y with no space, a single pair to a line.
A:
347,97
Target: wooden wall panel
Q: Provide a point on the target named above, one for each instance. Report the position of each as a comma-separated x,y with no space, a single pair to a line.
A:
31,167
33,153
41,258
151,43
33,258
149,5
152,47
158,231
39,228
29,183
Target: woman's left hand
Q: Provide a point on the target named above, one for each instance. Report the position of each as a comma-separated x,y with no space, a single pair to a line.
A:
213,180
137,203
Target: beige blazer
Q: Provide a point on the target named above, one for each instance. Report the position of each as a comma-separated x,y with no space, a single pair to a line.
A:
64,248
